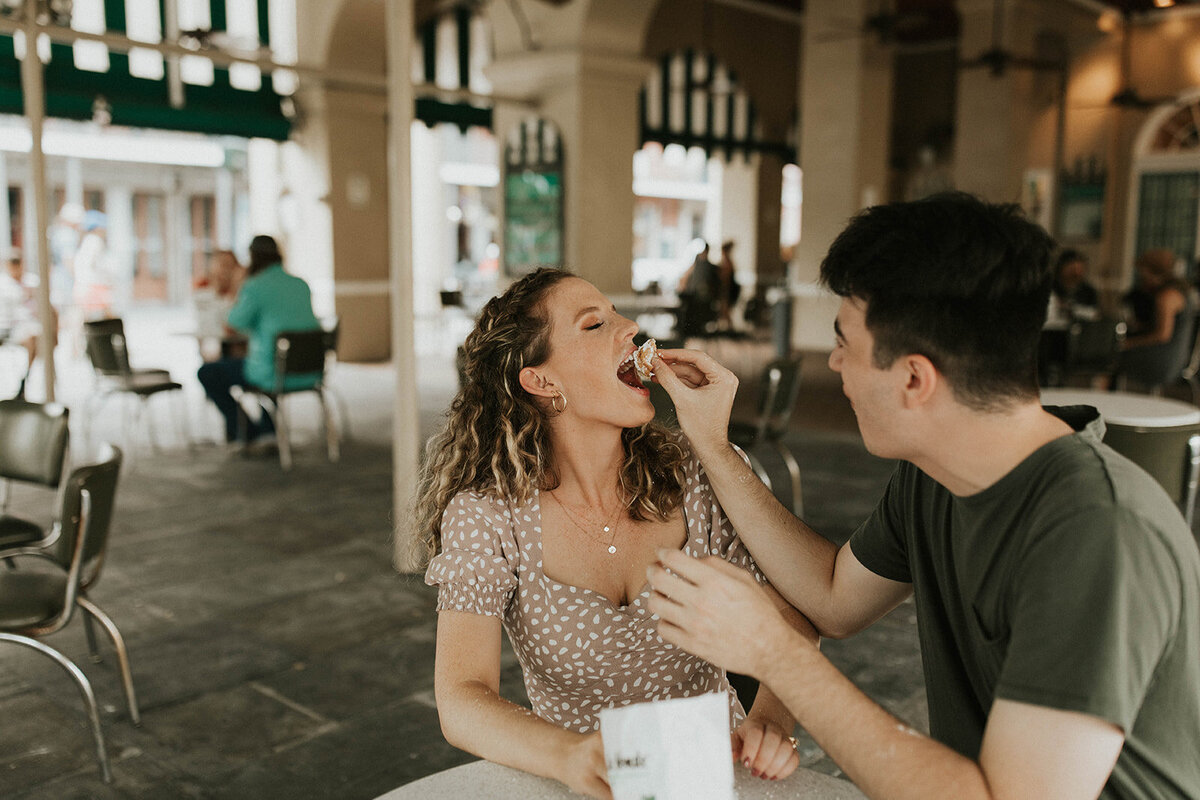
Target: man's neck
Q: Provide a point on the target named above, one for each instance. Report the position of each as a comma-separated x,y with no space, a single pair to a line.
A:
972,450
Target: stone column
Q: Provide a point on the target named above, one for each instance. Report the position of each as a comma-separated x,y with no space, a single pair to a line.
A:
994,114
359,204
845,111
769,265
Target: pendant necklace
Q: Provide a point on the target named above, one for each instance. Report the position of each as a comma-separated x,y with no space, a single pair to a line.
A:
611,525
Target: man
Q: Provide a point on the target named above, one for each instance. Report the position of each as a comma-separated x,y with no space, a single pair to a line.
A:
1057,588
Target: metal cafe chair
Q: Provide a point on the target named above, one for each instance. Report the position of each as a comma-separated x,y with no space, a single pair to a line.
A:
1171,455
779,388
108,351
33,449
37,602
298,354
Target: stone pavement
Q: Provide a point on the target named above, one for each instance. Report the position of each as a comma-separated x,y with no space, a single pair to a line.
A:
275,652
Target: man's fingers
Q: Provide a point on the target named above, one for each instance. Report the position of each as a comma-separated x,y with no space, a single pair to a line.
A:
699,570
670,585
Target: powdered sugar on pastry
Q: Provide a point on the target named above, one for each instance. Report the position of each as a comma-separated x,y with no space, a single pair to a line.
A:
642,358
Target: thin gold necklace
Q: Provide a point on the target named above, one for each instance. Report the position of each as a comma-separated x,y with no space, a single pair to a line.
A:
611,525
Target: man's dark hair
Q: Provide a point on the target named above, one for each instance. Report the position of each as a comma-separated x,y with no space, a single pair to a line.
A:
962,282
264,252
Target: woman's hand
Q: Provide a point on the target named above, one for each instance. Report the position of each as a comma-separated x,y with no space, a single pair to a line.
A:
765,749
584,771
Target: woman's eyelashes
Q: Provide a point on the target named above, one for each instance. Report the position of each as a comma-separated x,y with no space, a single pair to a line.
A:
594,326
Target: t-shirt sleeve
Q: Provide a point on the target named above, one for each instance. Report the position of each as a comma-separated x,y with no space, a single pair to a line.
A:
1087,626
473,570
880,543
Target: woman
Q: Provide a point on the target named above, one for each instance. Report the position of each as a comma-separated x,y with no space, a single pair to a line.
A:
545,499
1160,324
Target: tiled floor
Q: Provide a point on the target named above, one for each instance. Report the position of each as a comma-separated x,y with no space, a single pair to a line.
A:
275,651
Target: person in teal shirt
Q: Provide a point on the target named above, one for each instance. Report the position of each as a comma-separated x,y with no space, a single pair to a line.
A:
270,301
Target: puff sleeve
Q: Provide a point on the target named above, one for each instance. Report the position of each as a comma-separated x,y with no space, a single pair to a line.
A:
723,539
476,569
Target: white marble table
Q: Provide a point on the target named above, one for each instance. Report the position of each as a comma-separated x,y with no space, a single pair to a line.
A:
483,779
1127,408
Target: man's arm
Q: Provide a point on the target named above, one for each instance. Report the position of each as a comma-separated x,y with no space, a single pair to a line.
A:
836,592
711,609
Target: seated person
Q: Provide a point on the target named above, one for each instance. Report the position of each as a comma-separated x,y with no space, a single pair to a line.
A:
542,503
213,298
1159,311
699,293
1072,294
270,301
18,315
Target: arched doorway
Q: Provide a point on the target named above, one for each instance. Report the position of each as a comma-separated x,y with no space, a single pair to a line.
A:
1164,209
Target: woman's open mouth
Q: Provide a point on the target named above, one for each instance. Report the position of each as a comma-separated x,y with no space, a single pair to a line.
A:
627,374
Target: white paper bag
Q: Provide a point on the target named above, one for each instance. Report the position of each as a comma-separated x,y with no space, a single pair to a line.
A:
669,749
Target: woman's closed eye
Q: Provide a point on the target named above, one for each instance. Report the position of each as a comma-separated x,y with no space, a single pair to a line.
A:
593,327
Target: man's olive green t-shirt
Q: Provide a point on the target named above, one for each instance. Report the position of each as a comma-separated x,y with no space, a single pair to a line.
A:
1072,582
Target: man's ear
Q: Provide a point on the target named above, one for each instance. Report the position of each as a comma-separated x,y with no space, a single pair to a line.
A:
922,380
536,383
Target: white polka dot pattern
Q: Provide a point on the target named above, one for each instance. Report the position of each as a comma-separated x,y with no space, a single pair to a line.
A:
579,653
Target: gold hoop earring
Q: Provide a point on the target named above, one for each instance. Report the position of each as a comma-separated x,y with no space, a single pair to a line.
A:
554,402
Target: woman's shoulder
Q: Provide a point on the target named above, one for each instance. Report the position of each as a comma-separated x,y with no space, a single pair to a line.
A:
479,503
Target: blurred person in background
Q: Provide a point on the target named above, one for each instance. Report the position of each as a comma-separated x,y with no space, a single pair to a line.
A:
1157,300
213,298
19,322
1160,316
1072,294
731,290
93,284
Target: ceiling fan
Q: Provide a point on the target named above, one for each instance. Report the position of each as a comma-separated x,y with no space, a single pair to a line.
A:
1127,95
998,60
887,25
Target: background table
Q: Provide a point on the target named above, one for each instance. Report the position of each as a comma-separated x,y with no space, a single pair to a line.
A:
485,779
1127,408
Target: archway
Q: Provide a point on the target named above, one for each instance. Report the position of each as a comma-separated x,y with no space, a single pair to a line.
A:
1164,208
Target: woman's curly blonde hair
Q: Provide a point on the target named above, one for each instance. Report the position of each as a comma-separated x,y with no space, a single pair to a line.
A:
496,439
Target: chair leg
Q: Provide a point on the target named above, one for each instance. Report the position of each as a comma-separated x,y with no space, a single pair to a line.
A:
281,436
343,416
793,468
331,431
1192,475
85,689
89,628
243,423
185,423
118,641
144,412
